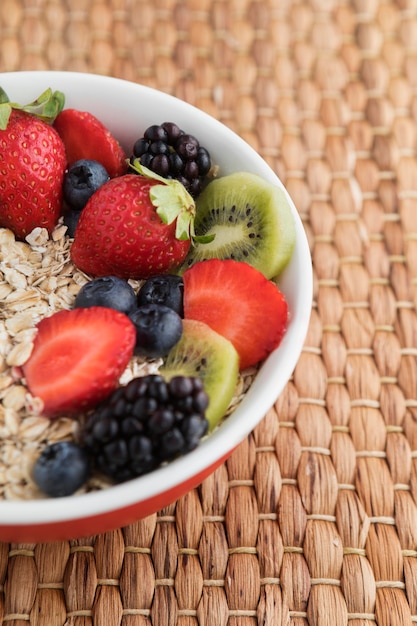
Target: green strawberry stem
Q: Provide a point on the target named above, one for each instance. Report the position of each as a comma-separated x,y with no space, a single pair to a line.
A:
46,107
172,202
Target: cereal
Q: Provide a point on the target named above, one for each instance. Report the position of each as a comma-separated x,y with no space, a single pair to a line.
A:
19,354
35,281
38,278
15,398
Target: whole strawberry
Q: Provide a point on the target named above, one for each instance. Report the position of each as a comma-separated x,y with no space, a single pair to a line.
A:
32,164
134,227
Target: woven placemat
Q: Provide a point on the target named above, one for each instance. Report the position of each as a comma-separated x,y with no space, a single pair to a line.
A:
313,520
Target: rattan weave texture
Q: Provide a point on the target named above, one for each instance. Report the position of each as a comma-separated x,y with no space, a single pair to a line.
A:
313,520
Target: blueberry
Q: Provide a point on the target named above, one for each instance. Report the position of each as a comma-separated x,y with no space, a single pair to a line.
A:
165,289
81,180
61,469
158,329
108,291
71,217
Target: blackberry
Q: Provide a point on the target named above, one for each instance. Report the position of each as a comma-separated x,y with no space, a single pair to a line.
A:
170,152
145,423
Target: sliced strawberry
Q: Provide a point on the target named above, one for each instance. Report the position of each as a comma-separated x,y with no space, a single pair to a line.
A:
238,302
86,137
78,357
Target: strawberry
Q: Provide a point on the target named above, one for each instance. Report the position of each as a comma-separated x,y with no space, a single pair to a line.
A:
134,227
238,302
86,137
32,164
78,357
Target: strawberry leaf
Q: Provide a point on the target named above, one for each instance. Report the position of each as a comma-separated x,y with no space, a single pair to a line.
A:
202,238
3,96
172,202
5,111
183,226
144,171
46,107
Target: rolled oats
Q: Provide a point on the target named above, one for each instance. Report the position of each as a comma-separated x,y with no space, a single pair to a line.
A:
15,398
38,237
11,422
33,428
19,321
5,290
5,381
19,354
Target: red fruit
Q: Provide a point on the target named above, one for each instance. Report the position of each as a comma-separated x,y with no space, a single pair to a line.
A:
129,228
78,357
32,166
86,137
238,302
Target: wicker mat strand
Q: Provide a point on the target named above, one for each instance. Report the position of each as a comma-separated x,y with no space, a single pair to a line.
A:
313,520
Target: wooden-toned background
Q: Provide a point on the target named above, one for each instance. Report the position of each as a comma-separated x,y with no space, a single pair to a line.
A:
313,520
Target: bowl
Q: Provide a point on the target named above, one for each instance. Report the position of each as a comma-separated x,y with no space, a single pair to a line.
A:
127,109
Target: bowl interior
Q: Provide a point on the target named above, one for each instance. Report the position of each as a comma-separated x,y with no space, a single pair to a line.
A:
127,109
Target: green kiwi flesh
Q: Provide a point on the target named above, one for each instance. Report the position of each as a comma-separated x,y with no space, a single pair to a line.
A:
251,220
203,352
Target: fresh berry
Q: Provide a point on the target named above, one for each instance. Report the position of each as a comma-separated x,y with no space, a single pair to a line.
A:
166,289
134,227
172,153
145,423
61,469
70,220
86,137
81,180
108,291
238,302
32,165
78,357
158,329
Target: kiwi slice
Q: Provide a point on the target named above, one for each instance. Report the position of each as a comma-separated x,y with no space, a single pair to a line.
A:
251,220
203,352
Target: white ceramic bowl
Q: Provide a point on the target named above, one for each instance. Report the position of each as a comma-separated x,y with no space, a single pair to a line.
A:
127,109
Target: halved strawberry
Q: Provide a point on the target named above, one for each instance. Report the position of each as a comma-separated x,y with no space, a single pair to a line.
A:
86,137
238,302
78,357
